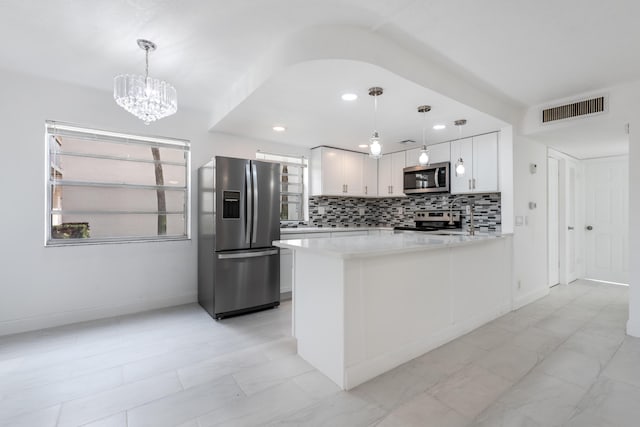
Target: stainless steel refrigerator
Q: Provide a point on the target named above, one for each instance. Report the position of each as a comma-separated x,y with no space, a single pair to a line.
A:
238,219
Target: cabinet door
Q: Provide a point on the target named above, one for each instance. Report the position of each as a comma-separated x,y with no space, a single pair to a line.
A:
332,172
439,153
462,148
485,163
370,176
352,164
411,157
397,173
384,176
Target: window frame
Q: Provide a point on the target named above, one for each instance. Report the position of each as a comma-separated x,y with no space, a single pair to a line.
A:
301,162
53,128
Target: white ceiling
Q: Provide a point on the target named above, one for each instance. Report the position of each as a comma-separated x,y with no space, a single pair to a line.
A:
531,51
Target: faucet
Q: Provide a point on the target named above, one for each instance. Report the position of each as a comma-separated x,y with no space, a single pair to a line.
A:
472,229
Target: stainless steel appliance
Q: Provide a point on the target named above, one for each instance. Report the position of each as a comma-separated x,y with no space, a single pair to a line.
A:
436,220
432,178
238,219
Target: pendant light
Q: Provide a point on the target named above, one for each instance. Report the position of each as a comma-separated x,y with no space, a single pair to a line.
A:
375,148
146,98
423,159
460,162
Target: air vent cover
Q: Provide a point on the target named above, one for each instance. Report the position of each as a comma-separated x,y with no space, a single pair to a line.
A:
407,141
577,109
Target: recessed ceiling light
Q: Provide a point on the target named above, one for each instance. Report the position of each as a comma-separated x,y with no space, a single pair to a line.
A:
439,127
349,96
363,145
279,128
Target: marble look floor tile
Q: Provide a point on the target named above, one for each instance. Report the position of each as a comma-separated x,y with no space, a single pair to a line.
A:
97,406
452,356
316,384
46,417
117,420
509,361
608,403
538,398
600,347
185,405
470,390
514,322
539,340
559,325
34,398
401,384
260,408
423,411
269,374
499,415
487,337
340,410
192,374
624,365
571,366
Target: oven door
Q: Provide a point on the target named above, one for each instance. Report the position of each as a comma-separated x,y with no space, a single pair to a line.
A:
427,179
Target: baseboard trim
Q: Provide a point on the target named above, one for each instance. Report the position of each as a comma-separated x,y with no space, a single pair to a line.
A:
530,297
15,326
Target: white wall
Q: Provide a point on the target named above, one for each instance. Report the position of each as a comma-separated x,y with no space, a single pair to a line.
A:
530,238
48,286
633,325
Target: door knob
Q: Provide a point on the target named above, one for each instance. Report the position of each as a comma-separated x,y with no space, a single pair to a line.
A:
589,227
570,228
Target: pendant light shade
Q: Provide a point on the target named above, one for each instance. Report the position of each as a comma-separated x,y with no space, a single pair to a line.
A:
375,147
146,98
423,159
460,163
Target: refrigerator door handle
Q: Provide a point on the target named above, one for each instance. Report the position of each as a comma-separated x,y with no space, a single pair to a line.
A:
249,203
248,254
254,231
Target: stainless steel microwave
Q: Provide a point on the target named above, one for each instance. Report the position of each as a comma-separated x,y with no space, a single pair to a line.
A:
433,178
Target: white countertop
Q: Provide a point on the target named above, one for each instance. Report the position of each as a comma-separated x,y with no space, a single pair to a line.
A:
379,245
311,229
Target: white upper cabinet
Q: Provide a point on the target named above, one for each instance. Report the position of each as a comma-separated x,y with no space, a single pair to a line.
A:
391,175
437,153
335,172
370,176
480,157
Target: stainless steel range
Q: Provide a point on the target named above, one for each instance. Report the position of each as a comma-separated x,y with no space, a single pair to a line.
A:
436,220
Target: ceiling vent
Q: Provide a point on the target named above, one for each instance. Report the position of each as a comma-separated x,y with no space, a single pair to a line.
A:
576,109
407,141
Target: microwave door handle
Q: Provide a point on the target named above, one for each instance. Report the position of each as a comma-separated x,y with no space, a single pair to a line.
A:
249,203
437,178
254,231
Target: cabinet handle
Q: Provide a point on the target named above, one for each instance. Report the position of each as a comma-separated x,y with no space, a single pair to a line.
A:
366,190
474,183
469,184
346,188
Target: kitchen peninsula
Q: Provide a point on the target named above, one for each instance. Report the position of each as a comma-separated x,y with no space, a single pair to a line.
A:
366,304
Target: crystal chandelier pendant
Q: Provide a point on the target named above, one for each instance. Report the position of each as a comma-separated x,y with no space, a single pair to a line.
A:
147,98
375,148
423,159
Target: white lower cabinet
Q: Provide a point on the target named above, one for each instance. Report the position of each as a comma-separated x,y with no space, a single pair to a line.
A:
286,270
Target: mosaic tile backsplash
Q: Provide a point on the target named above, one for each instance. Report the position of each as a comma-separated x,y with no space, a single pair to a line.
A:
391,212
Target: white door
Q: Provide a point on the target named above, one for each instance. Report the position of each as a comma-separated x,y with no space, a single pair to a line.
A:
411,157
352,164
439,153
606,235
571,255
332,172
553,217
370,176
384,176
397,173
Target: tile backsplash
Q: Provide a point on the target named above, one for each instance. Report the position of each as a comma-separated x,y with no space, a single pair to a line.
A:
358,212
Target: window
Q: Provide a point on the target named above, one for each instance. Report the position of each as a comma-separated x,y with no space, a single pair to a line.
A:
293,185
110,187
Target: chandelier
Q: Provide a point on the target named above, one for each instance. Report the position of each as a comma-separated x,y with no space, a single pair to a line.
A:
423,159
146,98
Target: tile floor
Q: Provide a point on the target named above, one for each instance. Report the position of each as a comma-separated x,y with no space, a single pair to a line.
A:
563,360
